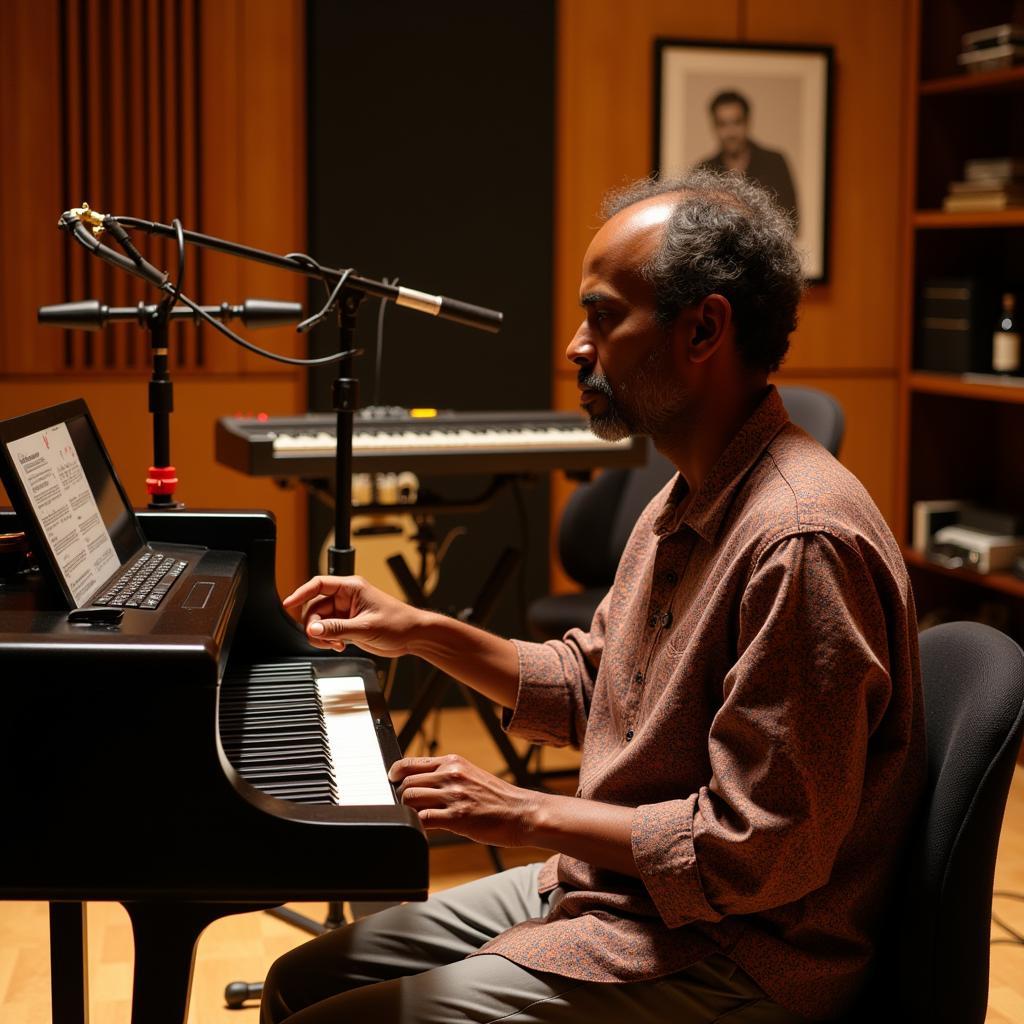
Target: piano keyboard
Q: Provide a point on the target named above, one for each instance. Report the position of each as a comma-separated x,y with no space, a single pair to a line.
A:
436,441
450,442
302,737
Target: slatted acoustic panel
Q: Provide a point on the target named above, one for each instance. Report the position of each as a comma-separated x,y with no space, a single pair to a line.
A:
847,339
159,109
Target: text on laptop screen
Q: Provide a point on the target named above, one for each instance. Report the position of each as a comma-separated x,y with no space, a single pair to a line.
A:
76,501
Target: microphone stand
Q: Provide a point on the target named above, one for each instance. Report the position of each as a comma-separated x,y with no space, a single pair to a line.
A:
345,394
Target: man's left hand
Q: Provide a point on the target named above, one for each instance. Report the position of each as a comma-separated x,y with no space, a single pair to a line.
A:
451,793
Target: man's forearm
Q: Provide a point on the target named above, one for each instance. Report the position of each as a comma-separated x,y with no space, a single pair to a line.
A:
487,663
598,833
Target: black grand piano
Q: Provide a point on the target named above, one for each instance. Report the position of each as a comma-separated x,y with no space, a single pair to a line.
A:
176,764
201,759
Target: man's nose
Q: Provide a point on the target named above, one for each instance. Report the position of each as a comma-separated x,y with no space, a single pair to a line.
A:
580,350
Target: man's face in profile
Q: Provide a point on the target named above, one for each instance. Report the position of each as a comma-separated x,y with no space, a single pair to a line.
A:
730,127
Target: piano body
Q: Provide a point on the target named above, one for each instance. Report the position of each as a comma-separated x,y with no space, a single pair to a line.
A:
117,753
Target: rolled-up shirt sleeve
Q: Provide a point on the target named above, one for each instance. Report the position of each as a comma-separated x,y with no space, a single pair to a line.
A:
556,685
787,747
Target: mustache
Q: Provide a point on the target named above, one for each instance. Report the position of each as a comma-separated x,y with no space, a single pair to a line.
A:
594,382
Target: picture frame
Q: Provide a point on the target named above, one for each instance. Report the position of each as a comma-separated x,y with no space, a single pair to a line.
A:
759,109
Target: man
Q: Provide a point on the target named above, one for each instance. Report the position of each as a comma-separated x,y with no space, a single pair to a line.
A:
730,118
747,698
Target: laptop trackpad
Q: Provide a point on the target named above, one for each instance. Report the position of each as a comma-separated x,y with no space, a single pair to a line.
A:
198,596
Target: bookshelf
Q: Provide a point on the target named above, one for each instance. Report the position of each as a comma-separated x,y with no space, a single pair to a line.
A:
987,81
991,219
998,389
961,435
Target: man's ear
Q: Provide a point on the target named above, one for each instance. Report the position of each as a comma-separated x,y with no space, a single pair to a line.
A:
711,323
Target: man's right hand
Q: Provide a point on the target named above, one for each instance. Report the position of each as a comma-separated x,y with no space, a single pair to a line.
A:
339,610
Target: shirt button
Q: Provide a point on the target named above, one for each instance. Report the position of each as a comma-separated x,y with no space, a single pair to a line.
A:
629,735
638,678
671,578
653,620
666,619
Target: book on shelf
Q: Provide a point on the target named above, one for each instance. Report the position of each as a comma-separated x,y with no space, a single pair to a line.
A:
993,35
991,58
980,201
982,185
992,48
1003,168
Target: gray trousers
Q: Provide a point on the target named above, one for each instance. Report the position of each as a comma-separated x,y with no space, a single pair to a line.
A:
408,965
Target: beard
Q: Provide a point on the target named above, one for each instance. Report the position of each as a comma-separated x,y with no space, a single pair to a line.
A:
650,402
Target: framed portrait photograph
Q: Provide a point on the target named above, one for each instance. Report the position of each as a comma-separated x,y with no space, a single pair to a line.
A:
759,110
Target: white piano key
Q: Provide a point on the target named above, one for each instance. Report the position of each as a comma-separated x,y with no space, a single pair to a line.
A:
355,751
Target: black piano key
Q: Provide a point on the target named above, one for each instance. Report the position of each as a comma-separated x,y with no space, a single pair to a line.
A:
285,789
268,744
273,732
259,724
247,765
286,773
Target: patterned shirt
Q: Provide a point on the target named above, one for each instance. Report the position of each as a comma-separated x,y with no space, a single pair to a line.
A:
750,685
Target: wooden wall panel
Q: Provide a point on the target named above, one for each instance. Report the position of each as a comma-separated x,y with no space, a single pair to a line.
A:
191,108
253,154
847,338
30,181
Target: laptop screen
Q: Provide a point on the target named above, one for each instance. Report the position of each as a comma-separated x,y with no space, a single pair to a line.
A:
63,485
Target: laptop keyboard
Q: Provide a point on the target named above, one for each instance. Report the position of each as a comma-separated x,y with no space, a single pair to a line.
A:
144,583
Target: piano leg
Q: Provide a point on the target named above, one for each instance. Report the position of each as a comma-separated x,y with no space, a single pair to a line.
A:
69,968
165,950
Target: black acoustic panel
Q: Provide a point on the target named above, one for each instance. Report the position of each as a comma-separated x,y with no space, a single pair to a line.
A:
431,157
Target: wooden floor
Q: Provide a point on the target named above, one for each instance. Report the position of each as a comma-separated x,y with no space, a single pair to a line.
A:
243,947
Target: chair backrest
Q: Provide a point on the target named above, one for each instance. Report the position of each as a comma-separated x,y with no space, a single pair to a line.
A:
817,412
599,516
973,678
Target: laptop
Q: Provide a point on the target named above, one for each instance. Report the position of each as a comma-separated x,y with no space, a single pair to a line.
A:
84,533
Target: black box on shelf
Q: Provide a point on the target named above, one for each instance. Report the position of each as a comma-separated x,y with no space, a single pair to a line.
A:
954,326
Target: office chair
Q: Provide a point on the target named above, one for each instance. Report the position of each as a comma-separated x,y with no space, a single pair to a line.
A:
598,519
936,967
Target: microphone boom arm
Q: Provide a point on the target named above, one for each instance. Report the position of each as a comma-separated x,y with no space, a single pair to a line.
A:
437,305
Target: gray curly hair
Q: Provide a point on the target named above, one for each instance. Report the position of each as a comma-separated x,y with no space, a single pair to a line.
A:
725,235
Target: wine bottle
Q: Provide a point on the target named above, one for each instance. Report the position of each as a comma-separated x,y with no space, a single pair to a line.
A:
1006,339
